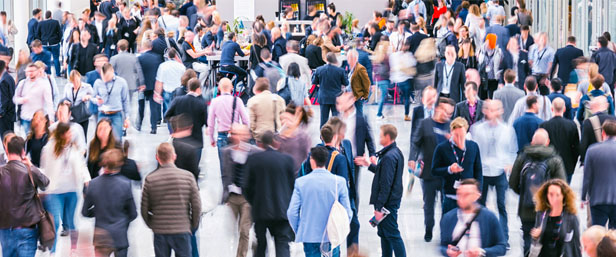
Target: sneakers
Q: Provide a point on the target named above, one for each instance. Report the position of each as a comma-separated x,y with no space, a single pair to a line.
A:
380,117
407,118
64,232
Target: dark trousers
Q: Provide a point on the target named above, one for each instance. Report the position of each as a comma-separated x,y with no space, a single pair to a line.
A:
448,204
280,230
430,188
603,213
239,72
325,109
353,237
501,185
154,110
359,106
84,125
106,251
406,88
179,243
391,240
487,92
7,124
526,227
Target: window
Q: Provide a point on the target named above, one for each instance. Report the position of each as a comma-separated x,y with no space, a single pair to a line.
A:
7,6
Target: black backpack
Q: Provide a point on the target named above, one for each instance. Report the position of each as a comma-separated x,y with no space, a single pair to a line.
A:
285,92
534,174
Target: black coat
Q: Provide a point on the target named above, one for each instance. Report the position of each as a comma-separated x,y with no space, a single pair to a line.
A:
606,59
414,40
564,137
107,8
195,107
279,48
126,29
314,56
462,110
32,24
588,135
458,79
91,51
417,117
7,91
529,42
523,67
130,170
159,45
187,151
93,32
149,62
49,32
387,182
269,184
374,40
563,59
423,144
111,216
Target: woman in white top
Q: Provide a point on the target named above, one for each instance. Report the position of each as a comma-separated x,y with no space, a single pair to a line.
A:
402,69
65,166
78,92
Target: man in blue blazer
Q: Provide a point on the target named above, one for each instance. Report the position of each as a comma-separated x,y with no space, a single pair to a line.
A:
33,24
507,62
564,58
149,61
330,79
456,236
339,166
313,197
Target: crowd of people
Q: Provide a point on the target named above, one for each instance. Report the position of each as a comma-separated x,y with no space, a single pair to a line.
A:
489,104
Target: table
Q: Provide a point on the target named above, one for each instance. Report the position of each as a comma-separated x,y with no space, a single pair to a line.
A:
211,59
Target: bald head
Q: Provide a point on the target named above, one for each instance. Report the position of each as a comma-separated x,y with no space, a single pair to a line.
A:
275,33
558,106
541,137
598,104
225,85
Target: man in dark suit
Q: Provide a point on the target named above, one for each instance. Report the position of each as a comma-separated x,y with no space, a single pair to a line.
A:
50,34
108,8
564,136
7,90
431,132
192,105
32,25
591,133
112,217
415,39
268,187
149,61
512,53
564,58
330,79
425,110
471,108
556,86
449,77
186,147
526,40
502,33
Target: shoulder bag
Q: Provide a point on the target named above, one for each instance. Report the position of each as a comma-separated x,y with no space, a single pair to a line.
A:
338,221
79,112
46,226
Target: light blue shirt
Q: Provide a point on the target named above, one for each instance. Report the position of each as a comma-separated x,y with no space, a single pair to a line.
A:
114,94
311,203
497,146
542,59
421,9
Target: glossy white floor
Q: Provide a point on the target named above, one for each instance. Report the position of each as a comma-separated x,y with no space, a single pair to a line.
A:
217,233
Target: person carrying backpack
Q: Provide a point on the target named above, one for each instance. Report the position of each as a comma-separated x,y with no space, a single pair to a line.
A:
585,111
537,164
269,69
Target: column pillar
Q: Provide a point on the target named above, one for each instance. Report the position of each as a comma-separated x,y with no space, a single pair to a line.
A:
22,12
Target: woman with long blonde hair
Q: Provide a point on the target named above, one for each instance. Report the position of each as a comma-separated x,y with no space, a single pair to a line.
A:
557,230
584,86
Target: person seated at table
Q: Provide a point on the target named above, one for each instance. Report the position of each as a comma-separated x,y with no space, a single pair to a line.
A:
191,57
210,36
227,57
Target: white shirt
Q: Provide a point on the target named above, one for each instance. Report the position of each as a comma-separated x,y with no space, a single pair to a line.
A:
396,40
170,74
399,62
99,30
447,76
472,239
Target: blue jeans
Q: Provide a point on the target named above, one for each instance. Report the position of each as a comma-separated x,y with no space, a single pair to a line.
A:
61,206
116,123
501,185
603,213
359,106
167,98
406,89
384,87
55,53
25,124
20,242
391,240
314,249
221,142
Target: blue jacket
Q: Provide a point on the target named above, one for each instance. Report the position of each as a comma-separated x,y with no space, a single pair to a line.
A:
471,162
330,79
585,99
311,204
45,57
525,128
340,166
364,60
387,182
32,24
492,237
279,48
568,113
502,35
229,49
563,59
149,62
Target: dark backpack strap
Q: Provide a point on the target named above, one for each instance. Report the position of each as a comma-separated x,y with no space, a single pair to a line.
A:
233,110
467,228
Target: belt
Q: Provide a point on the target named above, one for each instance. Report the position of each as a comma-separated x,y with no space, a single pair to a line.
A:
110,112
29,227
223,132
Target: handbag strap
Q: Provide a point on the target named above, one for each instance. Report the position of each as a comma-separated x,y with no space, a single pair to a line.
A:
233,109
37,198
467,228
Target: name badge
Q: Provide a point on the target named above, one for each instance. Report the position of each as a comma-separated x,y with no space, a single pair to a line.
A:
456,184
126,34
488,69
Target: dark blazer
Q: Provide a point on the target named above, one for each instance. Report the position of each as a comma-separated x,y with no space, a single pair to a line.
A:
564,137
188,155
279,48
492,237
7,91
444,157
523,67
525,128
91,51
423,143
502,34
126,29
339,167
588,135
568,112
529,42
563,59
269,184
414,41
149,62
570,229
462,110
330,79
606,59
387,182
195,107
49,32
107,9
130,170
374,40
159,45
458,79
32,24
314,56
416,118
111,216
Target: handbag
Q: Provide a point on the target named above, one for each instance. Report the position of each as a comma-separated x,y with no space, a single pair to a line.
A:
46,226
338,221
80,112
